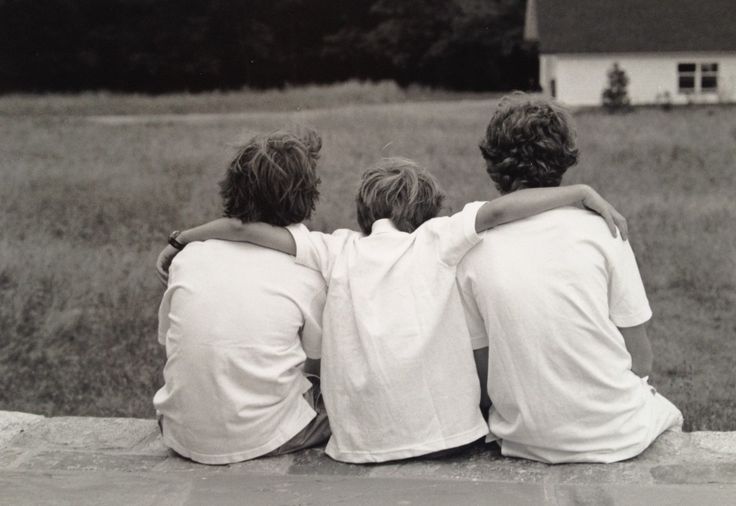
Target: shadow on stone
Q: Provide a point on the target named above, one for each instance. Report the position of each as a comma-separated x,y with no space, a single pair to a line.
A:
695,473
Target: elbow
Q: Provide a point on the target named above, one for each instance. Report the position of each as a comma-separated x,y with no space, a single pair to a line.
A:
491,216
235,225
499,216
238,231
643,365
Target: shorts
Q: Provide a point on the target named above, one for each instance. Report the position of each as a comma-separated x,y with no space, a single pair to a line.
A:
317,430
315,433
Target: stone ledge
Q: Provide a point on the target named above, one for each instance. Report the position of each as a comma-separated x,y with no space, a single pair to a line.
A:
82,446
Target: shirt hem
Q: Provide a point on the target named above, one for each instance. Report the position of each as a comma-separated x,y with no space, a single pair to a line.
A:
560,457
471,234
230,458
604,456
478,342
405,453
633,319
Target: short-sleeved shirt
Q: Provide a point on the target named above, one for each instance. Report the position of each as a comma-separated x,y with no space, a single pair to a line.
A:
398,375
237,321
548,292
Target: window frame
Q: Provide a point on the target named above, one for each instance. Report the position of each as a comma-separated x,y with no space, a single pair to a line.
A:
691,74
712,72
697,72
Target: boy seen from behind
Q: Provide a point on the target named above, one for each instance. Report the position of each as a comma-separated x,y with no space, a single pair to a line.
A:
398,374
239,321
563,308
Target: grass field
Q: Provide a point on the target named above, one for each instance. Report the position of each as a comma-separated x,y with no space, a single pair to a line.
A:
87,204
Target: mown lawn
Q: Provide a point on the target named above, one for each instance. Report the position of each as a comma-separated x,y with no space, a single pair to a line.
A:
86,206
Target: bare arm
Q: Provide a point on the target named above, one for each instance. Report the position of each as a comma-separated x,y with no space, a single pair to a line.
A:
232,229
524,203
481,365
638,345
228,229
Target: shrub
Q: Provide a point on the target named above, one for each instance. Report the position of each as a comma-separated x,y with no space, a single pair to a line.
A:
615,96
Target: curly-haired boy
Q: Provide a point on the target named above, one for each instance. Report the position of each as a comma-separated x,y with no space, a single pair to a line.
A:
562,304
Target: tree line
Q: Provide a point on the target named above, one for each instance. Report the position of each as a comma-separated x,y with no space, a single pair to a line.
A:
157,46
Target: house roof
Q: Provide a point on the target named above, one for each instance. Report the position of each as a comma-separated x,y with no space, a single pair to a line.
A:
596,26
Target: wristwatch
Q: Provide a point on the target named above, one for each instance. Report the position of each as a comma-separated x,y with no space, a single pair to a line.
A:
172,240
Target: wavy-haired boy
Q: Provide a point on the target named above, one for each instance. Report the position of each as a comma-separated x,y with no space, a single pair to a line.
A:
563,307
398,374
238,321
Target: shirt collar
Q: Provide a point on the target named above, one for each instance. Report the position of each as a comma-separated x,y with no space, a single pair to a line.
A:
382,226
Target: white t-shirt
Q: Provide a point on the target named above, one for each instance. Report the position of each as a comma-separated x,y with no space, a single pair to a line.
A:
398,374
549,293
236,320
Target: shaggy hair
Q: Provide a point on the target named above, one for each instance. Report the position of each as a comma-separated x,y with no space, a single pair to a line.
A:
528,144
400,190
273,178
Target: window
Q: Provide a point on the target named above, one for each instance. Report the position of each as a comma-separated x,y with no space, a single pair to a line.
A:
709,77
686,77
553,88
697,78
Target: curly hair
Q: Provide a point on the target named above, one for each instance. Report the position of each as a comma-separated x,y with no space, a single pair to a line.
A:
398,189
528,144
273,178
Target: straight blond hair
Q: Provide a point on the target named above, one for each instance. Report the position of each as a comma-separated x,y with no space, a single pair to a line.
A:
400,190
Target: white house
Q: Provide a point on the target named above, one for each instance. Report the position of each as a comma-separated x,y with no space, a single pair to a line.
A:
683,51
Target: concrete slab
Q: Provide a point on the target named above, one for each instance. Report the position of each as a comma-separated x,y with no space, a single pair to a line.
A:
102,489
9,456
642,495
479,468
673,444
81,489
70,460
696,473
151,444
174,463
187,489
314,461
622,473
277,466
13,424
87,461
265,466
86,433
300,490
717,442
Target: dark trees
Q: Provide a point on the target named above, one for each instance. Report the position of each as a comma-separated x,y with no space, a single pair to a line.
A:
167,45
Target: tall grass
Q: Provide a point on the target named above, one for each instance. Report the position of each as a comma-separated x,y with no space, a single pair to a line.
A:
245,100
87,206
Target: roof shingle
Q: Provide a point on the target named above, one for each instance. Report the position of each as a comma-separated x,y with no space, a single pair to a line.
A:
595,26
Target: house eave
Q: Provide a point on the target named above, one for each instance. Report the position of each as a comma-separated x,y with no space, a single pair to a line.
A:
547,52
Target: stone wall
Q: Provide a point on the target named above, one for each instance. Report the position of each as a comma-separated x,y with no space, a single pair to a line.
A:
79,460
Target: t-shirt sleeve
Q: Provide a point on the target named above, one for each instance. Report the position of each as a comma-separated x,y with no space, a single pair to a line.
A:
311,331
473,318
455,235
317,250
628,303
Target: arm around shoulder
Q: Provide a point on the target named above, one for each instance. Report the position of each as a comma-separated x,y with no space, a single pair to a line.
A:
524,203
232,229
227,229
